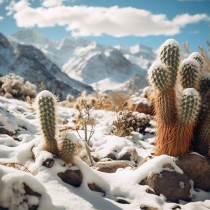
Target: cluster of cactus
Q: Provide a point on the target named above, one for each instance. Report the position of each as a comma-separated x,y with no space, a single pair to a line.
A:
128,121
46,109
180,95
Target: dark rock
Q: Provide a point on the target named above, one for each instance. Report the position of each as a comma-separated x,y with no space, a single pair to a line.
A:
48,163
72,177
111,156
96,188
197,168
29,191
150,191
111,166
146,207
129,155
5,131
122,201
173,185
176,207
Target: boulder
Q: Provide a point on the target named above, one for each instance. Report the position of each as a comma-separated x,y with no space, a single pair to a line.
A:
72,177
197,168
173,185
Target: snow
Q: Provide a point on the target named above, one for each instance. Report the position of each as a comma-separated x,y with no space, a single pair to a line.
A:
190,92
57,195
190,61
171,42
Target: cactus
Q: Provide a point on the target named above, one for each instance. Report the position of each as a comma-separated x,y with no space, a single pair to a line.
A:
187,116
202,143
199,58
176,117
169,54
189,73
160,79
68,148
46,101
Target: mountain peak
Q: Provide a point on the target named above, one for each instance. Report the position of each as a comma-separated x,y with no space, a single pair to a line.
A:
30,36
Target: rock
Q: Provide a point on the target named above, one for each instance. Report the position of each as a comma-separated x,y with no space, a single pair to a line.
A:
130,154
141,105
122,201
111,156
48,163
111,166
144,160
72,177
197,168
5,131
173,185
96,188
146,207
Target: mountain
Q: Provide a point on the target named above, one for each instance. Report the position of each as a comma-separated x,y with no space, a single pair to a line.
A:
102,67
32,64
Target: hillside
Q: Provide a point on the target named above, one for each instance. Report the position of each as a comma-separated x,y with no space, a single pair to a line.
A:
30,63
102,67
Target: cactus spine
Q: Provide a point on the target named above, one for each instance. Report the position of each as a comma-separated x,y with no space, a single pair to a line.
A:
46,102
68,148
169,54
188,112
189,73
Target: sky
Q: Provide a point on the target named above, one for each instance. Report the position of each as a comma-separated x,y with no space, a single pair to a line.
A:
112,22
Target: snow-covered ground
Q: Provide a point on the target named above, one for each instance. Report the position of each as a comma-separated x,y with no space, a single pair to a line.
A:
122,189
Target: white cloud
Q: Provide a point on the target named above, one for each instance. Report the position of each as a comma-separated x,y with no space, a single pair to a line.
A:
1,1
182,20
52,3
114,21
1,18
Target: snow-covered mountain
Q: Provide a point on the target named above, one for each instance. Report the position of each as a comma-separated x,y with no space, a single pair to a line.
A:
30,63
102,67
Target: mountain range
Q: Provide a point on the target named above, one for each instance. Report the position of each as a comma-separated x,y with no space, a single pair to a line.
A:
71,65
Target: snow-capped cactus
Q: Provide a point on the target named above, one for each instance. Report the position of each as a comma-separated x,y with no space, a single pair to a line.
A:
189,73
189,107
199,58
68,148
46,109
169,54
159,76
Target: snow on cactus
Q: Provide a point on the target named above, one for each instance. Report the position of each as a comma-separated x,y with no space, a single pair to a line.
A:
46,109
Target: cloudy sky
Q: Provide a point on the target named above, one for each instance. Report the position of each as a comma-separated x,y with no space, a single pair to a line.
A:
112,22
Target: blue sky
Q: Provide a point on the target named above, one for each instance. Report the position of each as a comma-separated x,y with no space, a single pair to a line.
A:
112,22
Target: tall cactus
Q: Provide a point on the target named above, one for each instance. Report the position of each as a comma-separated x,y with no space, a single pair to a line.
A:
160,78
46,102
176,117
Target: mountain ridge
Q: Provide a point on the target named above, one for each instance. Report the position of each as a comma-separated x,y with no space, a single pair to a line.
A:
32,64
92,63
